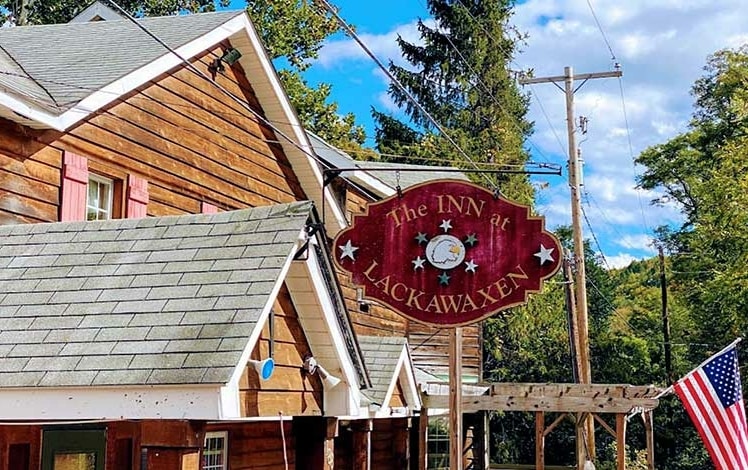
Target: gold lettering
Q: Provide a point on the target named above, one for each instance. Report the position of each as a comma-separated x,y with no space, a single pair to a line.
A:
394,295
449,303
459,206
393,214
413,299
434,304
368,271
468,304
487,299
422,210
513,276
384,284
502,287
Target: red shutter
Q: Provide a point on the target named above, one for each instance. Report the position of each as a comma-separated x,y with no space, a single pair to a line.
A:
137,197
74,187
207,208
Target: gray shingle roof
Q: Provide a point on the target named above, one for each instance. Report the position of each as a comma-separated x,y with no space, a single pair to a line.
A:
70,61
381,355
336,158
169,300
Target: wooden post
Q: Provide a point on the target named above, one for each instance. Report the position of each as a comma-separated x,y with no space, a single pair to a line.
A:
455,399
539,440
649,432
361,430
423,430
401,442
621,441
315,441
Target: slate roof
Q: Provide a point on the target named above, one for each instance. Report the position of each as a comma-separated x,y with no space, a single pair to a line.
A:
336,158
169,300
71,61
381,355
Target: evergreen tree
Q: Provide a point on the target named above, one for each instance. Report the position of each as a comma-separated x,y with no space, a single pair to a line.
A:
461,77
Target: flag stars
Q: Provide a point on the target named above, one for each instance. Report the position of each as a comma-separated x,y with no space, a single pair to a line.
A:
471,240
444,279
347,251
421,238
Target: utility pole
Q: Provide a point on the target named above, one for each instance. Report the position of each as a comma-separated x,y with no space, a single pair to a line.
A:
665,319
585,424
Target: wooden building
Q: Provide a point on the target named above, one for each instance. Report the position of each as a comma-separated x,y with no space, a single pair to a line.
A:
354,184
158,243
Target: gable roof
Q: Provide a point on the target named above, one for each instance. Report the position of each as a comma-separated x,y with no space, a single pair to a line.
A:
154,301
380,178
55,76
387,361
69,62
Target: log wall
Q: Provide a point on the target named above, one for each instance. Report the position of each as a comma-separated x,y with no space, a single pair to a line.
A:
190,141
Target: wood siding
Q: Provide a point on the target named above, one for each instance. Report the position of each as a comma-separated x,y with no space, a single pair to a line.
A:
189,140
289,390
429,346
258,445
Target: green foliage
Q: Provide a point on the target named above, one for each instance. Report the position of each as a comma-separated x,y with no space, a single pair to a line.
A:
61,11
462,79
293,29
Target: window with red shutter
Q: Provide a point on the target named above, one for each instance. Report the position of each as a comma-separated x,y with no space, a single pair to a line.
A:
207,208
74,187
137,197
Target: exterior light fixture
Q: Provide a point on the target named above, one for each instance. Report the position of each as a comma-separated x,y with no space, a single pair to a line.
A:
311,366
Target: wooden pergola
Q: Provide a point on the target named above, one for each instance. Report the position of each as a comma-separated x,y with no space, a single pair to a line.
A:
574,400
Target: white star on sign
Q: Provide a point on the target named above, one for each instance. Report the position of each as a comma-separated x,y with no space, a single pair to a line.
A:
470,266
545,254
418,263
347,250
446,225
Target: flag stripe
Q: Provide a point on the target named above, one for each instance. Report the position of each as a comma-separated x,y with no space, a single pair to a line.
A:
712,396
702,422
733,417
717,416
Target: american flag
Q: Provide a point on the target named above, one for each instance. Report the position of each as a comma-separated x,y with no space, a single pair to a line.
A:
713,398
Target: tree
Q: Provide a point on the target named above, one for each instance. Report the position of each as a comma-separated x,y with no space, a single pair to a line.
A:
292,31
705,171
461,77
25,12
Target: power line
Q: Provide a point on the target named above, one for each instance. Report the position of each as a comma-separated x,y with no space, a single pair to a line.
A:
594,237
399,85
600,28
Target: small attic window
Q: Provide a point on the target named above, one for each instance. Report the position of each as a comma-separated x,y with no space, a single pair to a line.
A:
97,18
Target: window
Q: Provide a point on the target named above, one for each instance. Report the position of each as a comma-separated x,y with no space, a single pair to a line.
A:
438,443
68,449
100,198
214,451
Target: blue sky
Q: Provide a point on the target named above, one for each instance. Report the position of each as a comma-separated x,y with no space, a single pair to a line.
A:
662,46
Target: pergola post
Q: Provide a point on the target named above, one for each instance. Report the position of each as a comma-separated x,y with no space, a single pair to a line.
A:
539,440
647,416
621,441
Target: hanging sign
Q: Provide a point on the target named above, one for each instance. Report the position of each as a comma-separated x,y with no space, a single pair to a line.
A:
447,253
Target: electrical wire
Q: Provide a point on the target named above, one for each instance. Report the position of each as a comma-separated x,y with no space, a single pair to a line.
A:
189,66
499,44
352,34
600,28
594,237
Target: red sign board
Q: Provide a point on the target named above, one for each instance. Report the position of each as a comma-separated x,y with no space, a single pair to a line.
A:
447,253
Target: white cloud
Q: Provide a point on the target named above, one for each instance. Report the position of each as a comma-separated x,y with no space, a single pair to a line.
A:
662,46
620,260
